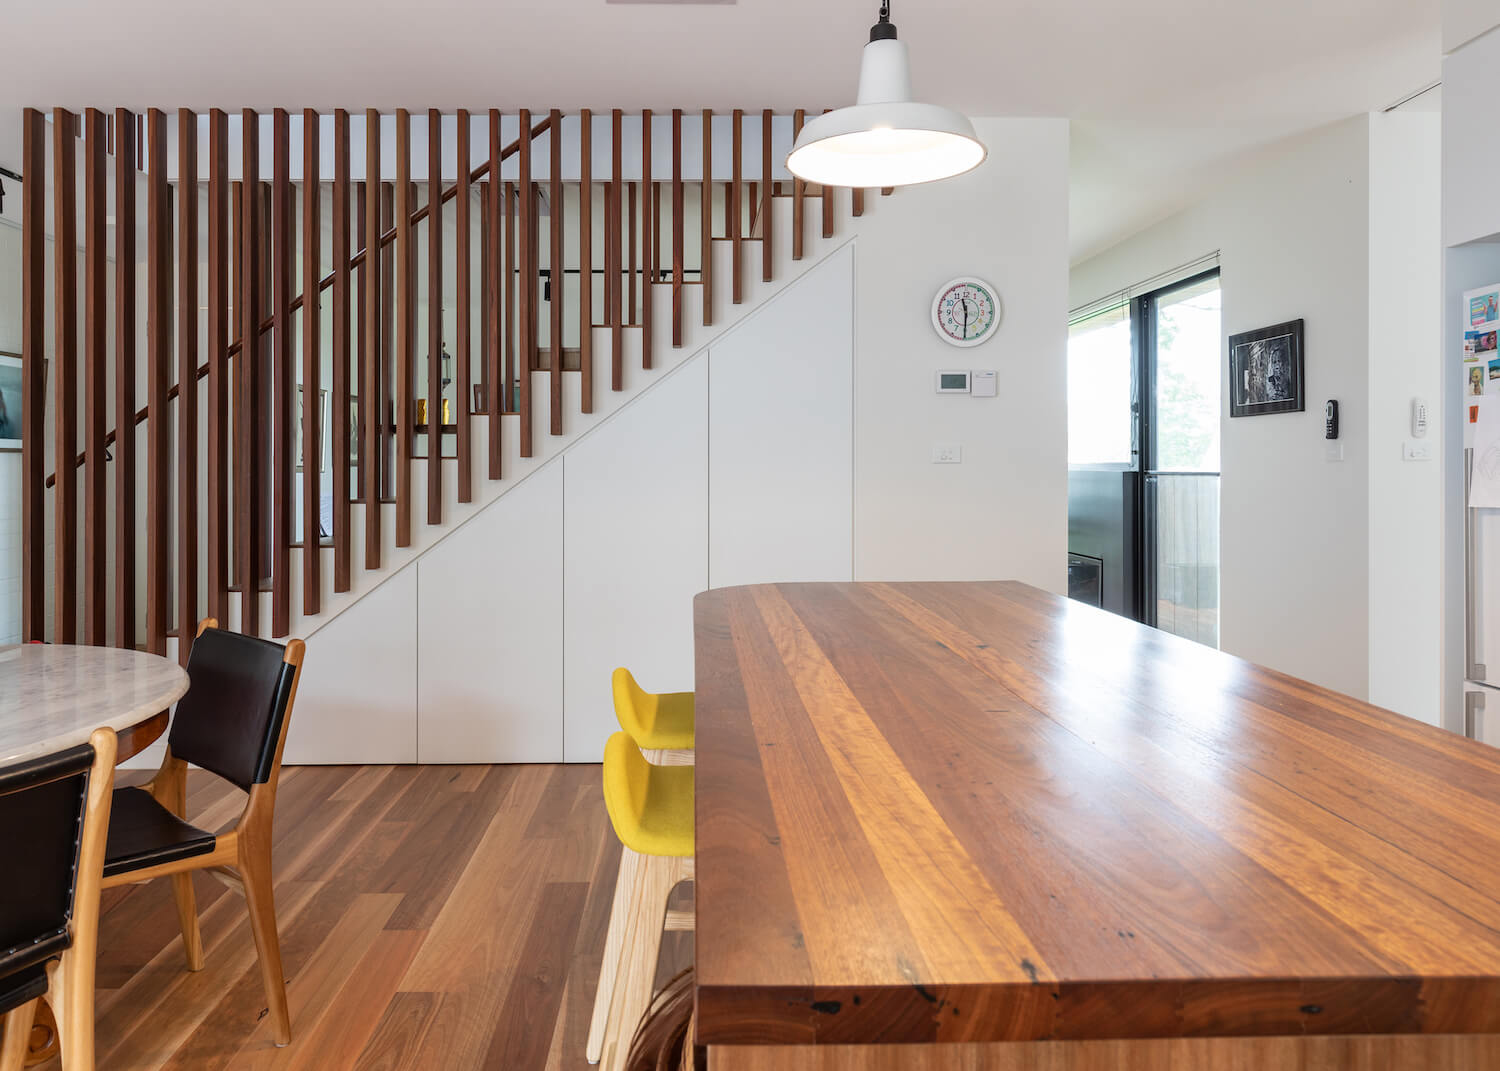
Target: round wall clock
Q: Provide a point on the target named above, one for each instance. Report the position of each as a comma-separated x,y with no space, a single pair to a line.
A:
966,311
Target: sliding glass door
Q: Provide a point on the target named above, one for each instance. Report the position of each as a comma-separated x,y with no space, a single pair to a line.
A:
1143,452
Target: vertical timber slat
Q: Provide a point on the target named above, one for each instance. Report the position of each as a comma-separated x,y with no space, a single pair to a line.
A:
555,273
216,539
406,301
125,375
282,228
341,445
33,382
767,198
461,355
706,219
736,195
435,315
246,464
494,371
799,192
158,376
96,416
586,259
370,416
649,236
615,260
312,368
827,205
526,265
187,381
64,376
677,232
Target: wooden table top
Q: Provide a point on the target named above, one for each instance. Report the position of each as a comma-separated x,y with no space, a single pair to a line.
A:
52,696
981,812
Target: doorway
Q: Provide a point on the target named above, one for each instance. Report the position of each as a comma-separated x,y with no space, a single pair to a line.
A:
1144,377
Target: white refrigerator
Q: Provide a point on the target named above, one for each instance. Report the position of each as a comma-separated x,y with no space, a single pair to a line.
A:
1480,414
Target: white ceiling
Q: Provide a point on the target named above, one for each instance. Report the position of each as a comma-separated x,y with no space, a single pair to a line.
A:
1171,90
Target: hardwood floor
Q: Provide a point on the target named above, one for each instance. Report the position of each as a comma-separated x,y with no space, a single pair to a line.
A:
443,917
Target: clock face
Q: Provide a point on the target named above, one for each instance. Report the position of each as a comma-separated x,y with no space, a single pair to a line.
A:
966,312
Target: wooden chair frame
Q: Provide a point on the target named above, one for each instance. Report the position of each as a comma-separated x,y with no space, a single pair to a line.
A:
70,977
241,859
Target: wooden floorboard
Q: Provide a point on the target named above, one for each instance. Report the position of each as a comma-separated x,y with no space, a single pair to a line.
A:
431,917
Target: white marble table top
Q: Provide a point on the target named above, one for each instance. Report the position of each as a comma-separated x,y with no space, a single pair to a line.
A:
53,696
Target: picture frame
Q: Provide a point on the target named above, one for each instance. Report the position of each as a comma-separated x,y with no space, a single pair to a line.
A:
1267,371
11,409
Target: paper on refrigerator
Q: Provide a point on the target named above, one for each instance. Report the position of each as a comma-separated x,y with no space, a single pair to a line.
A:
1484,482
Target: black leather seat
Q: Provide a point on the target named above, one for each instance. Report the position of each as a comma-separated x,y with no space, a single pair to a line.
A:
43,803
143,833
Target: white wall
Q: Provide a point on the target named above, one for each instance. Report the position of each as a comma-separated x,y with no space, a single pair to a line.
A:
1293,233
1002,513
1405,568
1464,20
1471,152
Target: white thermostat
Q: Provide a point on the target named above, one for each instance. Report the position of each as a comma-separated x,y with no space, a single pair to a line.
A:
980,383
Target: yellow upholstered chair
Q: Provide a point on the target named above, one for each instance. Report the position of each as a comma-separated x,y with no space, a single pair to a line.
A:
657,723
651,809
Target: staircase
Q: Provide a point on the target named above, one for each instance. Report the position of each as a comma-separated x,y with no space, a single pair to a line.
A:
418,278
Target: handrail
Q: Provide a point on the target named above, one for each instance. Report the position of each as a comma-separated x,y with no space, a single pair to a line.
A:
355,261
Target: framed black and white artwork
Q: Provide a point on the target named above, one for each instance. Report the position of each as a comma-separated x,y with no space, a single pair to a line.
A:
1266,371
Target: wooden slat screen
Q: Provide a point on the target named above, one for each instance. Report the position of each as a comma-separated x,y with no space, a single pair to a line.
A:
799,191
461,284
526,268
340,427
649,235
216,513
64,377
33,382
706,219
435,316
371,414
677,232
125,373
282,377
614,259
406,304
586,260
767,199
556,275
733,210
498,333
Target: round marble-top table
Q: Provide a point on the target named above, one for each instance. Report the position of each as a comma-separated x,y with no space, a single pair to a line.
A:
53,696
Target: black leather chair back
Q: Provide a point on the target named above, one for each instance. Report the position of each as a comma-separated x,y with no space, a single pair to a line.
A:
41,820
229,721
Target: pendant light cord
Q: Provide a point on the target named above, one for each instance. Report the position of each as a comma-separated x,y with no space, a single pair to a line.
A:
883,30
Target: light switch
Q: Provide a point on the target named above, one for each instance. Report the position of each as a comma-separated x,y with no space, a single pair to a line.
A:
1333,451
1416,451
947,454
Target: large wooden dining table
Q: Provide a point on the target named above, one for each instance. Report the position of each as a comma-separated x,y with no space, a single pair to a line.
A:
976,825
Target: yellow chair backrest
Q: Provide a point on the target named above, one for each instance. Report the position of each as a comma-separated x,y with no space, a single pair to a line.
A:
650,807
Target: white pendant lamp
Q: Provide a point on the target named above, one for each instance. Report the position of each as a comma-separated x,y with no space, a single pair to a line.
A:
886,138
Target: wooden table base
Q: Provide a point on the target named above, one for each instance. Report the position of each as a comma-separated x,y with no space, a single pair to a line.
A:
1463,1052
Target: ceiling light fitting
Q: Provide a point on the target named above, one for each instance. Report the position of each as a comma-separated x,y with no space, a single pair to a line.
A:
885,138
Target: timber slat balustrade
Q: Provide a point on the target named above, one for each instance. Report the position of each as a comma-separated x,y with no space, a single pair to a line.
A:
526,263
312,368
858,202
247,474
767,198
586,259
435,316
187,382
677,235
125,371
406,330
649,235
257,442
827,205
735,227
216,510
461,375
95,416
282,230
341,431
706,219
65,361
799,192
496,335
615,261
158,379
555,273
33,379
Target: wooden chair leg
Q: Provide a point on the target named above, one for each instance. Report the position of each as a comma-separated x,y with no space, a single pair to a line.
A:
187,918
614,949
636,981
17,1039
255,871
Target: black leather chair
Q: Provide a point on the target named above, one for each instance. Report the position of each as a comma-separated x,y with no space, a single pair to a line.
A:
53,814
232,722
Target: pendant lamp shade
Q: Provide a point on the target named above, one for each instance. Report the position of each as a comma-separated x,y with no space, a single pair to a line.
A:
886,139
